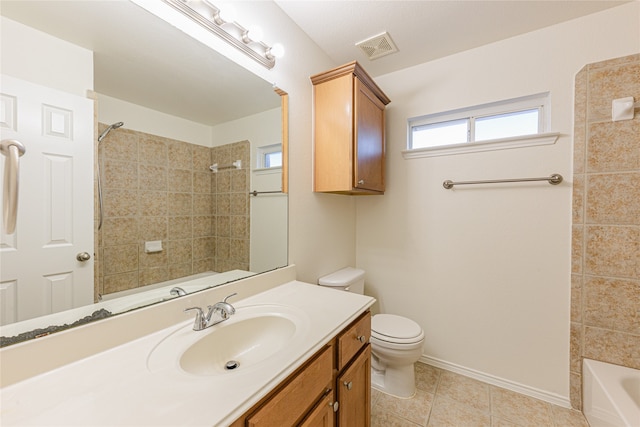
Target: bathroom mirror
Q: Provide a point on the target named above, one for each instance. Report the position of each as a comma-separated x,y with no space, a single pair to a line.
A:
141,62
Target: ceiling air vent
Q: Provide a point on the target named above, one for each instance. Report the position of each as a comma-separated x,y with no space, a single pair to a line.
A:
377,46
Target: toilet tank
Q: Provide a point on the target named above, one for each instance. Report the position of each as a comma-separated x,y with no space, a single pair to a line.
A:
348,279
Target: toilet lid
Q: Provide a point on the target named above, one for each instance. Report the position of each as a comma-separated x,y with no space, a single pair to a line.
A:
394,327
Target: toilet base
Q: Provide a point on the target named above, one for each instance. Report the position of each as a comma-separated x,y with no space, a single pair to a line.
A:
398,381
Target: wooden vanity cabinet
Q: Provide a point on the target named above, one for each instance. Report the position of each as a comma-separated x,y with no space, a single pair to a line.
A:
349,132
333,388
298,395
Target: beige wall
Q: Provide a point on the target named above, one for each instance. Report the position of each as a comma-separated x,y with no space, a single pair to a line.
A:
486,270
49,62
143,119
606,221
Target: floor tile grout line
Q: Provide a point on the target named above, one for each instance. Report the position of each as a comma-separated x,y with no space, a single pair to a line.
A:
435,393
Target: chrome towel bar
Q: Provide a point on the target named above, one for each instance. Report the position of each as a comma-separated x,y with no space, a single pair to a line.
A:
255,193
554,179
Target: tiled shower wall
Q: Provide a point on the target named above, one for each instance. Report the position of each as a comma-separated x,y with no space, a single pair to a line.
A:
605,291
156,188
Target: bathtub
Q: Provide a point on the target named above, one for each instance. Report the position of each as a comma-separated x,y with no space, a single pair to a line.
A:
611,394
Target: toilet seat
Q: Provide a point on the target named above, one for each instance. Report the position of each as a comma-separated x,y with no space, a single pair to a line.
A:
395,329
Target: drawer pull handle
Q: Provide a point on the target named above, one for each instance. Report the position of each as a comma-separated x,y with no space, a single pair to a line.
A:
348,385
361,338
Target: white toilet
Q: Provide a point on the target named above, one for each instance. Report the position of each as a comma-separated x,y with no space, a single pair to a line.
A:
396,342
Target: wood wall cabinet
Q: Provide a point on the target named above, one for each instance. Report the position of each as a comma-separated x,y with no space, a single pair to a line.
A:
349,132
333,388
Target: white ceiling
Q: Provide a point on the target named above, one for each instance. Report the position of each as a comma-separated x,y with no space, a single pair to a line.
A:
143,60
428,29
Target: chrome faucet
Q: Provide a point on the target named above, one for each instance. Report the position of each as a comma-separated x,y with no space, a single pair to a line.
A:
219,312
177,291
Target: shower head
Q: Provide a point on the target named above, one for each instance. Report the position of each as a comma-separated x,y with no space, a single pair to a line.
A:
107,130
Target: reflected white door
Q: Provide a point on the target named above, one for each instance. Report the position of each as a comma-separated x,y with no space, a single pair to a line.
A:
39,271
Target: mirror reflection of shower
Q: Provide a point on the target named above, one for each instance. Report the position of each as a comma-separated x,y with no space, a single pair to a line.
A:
109,129
102,136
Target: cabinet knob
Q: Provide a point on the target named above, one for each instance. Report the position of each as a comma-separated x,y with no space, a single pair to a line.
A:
361,182
334,405
348,385
361,338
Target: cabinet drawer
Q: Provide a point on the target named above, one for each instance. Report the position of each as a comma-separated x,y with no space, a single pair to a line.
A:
353,339
291,403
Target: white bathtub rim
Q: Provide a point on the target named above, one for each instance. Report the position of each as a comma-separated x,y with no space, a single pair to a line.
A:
623,404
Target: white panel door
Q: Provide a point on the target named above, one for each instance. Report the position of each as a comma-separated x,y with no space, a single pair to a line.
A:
39,272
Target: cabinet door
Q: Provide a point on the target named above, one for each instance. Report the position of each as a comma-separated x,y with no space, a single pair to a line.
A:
369,140
354,392
295,399
322,415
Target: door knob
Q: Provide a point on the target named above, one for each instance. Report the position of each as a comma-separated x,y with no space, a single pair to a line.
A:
83,256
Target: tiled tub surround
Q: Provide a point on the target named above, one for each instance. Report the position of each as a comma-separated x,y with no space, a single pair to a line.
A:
605,290
156,188
115,387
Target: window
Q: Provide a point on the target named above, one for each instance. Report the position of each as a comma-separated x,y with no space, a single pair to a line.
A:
482,127
269,156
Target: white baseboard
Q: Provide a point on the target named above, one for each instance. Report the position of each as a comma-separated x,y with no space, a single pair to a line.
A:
553,398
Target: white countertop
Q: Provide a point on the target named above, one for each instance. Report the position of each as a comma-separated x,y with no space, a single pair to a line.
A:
116,387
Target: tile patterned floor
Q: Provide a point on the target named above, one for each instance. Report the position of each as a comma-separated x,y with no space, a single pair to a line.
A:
447,399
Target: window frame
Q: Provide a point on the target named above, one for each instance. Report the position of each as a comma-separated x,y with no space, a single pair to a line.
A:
263,151
540,101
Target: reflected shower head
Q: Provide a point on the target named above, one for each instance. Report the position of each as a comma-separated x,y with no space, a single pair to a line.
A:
107,130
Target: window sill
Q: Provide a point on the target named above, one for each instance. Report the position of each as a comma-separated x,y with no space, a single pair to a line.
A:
267,171
491,145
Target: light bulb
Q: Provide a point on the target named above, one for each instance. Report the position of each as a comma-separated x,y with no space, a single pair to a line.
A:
221,16
229,14
252,34
276,51
255,33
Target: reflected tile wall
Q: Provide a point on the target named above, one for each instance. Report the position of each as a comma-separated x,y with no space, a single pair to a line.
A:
230,203
157,188
605,285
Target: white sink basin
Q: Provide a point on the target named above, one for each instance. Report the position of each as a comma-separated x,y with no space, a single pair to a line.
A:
255,334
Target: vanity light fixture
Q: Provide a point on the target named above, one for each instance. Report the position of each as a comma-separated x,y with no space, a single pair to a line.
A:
210,17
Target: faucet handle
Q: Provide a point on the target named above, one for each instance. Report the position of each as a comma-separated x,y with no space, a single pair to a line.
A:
198,309
229,296
200,322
